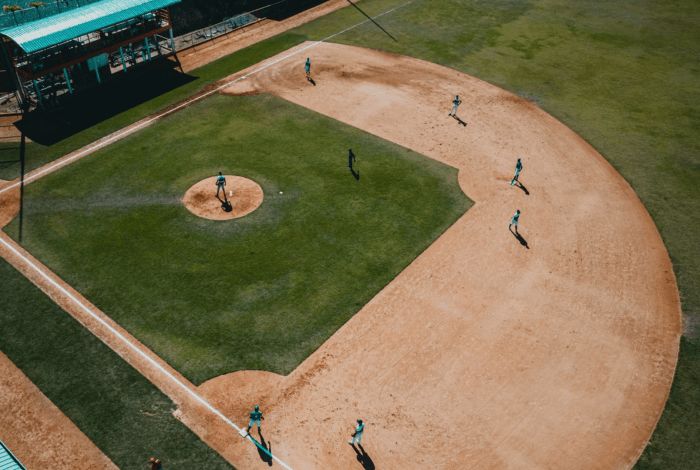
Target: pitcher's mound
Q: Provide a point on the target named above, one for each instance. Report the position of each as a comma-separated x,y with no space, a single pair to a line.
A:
242,196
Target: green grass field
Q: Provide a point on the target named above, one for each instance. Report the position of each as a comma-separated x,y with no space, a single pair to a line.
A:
260,292
123,413
624,75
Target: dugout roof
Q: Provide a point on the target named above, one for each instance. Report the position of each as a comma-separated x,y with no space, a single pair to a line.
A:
47,32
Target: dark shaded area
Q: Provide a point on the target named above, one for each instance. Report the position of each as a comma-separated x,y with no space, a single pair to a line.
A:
356,174
459,120
225,203
518,184
311,80
97,104
264,449
190,15
363,457
519,237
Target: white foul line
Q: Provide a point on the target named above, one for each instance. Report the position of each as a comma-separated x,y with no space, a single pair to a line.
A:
128,343
130,130
116,137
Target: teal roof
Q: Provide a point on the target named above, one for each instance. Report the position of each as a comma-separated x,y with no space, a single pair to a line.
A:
47,32
7,460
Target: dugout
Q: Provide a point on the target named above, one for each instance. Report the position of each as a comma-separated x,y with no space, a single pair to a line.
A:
55,57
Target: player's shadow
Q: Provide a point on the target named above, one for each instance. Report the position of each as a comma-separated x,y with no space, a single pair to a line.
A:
356,174
521,186
520,238
225,204
311,80
264,449
459,120
363,457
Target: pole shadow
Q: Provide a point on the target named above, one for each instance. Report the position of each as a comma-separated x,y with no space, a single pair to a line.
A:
519,237
459,120
363,457
375,23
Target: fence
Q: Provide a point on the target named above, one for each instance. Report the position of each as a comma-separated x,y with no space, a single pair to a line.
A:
275,11
213,31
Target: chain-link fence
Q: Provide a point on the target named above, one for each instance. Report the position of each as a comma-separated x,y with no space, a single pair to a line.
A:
216,30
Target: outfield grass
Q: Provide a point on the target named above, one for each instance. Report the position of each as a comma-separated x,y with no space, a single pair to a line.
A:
625,76
622,74
260,292
125,415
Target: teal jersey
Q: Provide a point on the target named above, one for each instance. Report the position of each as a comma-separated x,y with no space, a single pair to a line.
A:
516,216
307,66
256,415
221,179
457,101
518,166
360,428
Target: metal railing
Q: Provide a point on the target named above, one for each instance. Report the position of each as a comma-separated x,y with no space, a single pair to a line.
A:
210,32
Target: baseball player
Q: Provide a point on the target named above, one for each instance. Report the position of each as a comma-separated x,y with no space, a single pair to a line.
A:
255,417
351,158
455,104
514,220
518,167
307,68
220,183
155,464
359,430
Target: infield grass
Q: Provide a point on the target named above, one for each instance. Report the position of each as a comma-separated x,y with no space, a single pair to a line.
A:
260,292
116,407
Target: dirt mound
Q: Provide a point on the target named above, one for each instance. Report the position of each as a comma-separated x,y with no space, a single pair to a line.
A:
241,197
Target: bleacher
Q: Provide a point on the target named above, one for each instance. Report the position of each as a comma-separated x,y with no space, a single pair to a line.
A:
29,14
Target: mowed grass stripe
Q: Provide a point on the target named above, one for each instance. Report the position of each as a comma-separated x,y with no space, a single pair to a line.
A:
261,292
125,415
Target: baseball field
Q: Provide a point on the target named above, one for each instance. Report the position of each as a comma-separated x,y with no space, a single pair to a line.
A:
379,293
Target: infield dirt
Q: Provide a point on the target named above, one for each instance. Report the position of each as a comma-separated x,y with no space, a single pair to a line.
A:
552,350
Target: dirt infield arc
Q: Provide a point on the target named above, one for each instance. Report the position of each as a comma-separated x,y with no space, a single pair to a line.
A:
557,351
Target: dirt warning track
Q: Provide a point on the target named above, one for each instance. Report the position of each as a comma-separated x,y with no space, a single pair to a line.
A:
556,350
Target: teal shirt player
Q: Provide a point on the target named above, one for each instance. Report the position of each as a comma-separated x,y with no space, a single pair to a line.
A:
360,428
220,179
255,415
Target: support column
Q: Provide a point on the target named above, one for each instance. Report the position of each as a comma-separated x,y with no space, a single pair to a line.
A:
38,94
172,41
148,48
155,41
65,74
121,51
22,99
97,72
